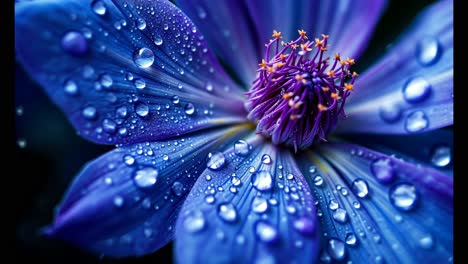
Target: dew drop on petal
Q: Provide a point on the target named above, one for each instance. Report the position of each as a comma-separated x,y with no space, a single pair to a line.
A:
382,170
189,109
139,83
129,160
304,225
265,231
158,41
89,112
416,122
118,201
416,90
241,147
194,221
262,180
318,180
426,242
109,126
333,204
141,109
105,80
360,187
145,178
70,87
428,51
141,24
266,159
259,204
227,212
216,160
351,239
441,156
390,113
403,196
340,216
99,7
336,249
143,58
74,43
177,188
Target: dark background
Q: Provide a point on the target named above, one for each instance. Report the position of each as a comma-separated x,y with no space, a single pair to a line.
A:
54,154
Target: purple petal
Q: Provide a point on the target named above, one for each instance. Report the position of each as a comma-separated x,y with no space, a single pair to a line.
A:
379,208
410,90
122,72
125,203
258,208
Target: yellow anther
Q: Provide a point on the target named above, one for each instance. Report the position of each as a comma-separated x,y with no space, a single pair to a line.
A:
299,77
287,96
318,42
294,46
331,73
355,74
305,47
302,33
294,117
270,69
321,107
279,65
298,104
323,48
349,61
325,89
348,87
263,64
282,56
337,56
276,34
324,36
343,63
335,96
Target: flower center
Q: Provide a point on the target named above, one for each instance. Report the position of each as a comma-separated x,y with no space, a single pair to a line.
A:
299,95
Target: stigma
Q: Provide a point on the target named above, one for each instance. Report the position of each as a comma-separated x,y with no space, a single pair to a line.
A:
299,93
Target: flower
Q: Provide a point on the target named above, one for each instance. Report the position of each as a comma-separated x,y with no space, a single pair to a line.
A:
188,161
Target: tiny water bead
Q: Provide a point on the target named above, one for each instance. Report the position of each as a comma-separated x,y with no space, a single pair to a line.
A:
74,43
299,94
189,109
194,221
139,83
216,160
416,122
262,180
141,24
351,239
106,80
441,156
428,50
403,196
99,7
141,109
70,87
146,177
177,188
118,201
158,41
266,232
143,58
416,90
266,159
227,212
89,112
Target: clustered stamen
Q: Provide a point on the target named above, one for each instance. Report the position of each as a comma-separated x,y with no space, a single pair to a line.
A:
298,94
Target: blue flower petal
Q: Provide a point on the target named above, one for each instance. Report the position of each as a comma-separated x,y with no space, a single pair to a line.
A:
378,208
257,208
124,71
238,30
125,203
410,90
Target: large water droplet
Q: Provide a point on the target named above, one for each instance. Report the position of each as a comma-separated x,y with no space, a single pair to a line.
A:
390,113
143,58
175,99
141,109
145,178
318,180
336,248
129,160
99,7
139,83
262,180
416,90
122,111
74,43
266,159
416,122
227,212
351,239
304,225
426,242
70,87
194,221
340,215
89,112
158,41
105,80
403,196
241,147
177,188
259,204
109,126
360,187
216,160
382,170
189,109
441,156
333,204
141,24
428,51
266,232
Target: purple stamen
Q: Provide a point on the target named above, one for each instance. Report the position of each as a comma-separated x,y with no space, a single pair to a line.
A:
298,96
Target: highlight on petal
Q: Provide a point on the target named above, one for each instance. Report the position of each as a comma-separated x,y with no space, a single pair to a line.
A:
410,90
124,71
375,208
257,208
125,203
227,26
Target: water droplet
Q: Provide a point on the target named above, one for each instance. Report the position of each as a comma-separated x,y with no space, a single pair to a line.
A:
266,232
118,201
99,7
304,225
143,58
259,204
74,43
360,187
227,212
428,50
318,180
177,188
266,159
109,126
70,87
189,109
235,181
216,160
390,113
145,178
165,26
141,24
333,204
129,160
357,204
416,122
351,239
290,176
158,41
89,112
194,221
441,155
336,248
165,157
403,196
416,90
139,83
210,199
122,111
105,80
175,99
201,12
312,169
262,180
340,215
141,109
382,169
209,87
21,143
241,147
426,242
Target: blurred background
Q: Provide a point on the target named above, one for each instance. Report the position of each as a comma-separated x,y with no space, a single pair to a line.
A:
51,154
